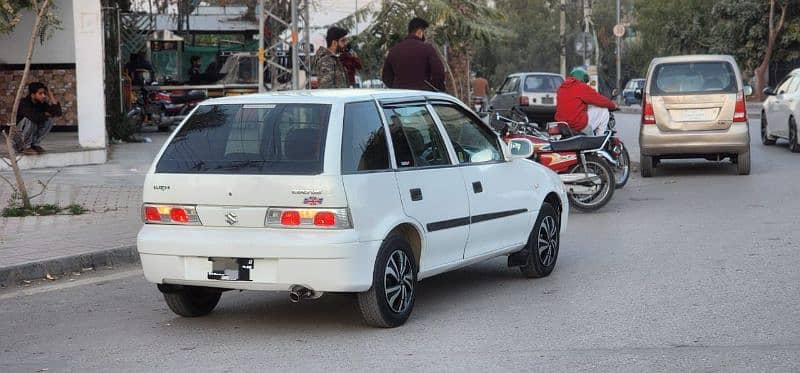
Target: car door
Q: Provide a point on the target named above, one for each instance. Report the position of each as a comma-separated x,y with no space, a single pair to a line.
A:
431,188
778,113
499,201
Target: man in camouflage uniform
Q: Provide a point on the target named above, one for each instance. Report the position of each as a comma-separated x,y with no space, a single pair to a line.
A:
330,71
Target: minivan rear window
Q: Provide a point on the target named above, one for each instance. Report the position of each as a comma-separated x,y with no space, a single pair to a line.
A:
266,139
694,78
542,83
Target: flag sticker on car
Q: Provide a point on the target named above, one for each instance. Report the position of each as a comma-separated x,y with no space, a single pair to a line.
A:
313,201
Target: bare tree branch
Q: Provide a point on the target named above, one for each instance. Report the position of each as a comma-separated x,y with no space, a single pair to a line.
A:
45,184
13,187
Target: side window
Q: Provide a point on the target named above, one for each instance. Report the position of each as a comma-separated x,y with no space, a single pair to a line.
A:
504,86
511,85
794,87
364,146
784,86
472,142
416,141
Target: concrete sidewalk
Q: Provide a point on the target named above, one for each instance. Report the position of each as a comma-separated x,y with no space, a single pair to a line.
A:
33,247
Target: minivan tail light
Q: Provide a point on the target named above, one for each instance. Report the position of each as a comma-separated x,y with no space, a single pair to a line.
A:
325,218
740,111
524,101
170,214
648,115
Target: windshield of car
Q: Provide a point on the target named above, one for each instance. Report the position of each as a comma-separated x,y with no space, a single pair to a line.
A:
694,78
265,139
542,83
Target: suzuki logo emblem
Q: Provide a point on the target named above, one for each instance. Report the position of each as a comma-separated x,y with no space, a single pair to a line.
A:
231,218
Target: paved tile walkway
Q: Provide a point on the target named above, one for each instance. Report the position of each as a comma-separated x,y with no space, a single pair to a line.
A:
112,192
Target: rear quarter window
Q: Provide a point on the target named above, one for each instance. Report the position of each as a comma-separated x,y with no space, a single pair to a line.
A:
263,139
694,78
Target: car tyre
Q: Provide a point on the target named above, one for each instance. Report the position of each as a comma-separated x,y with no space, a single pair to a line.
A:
388,303
543,243
192,301
766,139
646,165
743,163
794,146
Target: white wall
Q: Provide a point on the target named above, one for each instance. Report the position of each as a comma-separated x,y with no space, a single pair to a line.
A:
60,48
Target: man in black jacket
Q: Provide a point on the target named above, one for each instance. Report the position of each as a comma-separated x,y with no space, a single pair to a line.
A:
35,118
412,63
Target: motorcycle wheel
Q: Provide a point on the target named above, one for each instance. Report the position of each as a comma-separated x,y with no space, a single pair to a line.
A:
622,171
603,194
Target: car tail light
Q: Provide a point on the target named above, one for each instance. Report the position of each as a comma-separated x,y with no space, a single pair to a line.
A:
524,101
170,214
337,218
648,115
740,111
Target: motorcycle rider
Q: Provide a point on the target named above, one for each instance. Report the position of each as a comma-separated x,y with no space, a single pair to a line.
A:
580,106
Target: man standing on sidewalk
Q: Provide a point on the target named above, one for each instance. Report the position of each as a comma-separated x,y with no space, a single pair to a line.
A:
414,64
35,118
330,71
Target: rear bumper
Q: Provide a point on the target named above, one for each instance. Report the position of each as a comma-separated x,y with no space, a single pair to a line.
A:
321,261
654,142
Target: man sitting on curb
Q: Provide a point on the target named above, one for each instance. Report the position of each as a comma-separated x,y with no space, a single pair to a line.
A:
35,118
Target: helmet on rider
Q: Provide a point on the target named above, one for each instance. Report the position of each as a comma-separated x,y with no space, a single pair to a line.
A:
580,74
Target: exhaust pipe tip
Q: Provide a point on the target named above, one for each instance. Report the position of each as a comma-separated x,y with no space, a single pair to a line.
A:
300,292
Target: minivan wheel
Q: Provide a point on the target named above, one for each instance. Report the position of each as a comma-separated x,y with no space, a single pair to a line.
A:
794,147
646,165
542,246
193,301
766,139
388,303
743,163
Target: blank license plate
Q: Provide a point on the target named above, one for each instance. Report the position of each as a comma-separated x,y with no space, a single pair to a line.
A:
547,100
697,115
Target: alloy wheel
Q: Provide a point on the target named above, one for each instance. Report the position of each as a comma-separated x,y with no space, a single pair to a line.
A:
398,281
548,240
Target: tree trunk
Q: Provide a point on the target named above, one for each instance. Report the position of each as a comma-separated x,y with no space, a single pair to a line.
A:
12,155
458,59
761,70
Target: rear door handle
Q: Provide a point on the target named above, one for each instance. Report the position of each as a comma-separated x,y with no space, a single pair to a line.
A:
416,194
477,187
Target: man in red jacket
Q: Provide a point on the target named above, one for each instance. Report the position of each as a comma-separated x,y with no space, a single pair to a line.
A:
583,108
412,63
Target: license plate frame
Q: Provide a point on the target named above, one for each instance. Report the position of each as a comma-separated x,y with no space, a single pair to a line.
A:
548,100
230,269
695,115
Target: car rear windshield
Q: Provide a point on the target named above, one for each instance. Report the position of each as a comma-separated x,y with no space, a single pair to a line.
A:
266,139
542,83
694,78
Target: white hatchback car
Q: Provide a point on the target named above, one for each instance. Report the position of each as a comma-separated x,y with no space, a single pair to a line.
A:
781,112
356,191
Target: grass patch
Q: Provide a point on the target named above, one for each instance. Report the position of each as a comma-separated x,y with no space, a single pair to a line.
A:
76,209
16,210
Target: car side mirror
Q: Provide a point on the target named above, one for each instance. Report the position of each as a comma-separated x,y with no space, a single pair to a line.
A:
769,91
638,93
520,148
748,90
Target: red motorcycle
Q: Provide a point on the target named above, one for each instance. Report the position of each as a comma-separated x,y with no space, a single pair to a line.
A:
168,108
580,161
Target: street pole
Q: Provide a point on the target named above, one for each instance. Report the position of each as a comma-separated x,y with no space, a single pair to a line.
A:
587,18
295,59
563,37
261,47
619,54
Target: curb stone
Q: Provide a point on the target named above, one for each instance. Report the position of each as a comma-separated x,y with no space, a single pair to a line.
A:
73,263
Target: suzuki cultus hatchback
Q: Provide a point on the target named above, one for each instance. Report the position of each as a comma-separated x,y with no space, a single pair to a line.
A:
349,191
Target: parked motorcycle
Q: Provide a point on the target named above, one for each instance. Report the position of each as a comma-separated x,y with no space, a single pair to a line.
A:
168,108
621,160
581,161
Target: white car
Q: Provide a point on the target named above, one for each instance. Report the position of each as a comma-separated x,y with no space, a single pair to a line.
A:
353,190
781,112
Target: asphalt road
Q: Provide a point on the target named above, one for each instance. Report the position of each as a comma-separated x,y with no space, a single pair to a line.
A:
695,269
